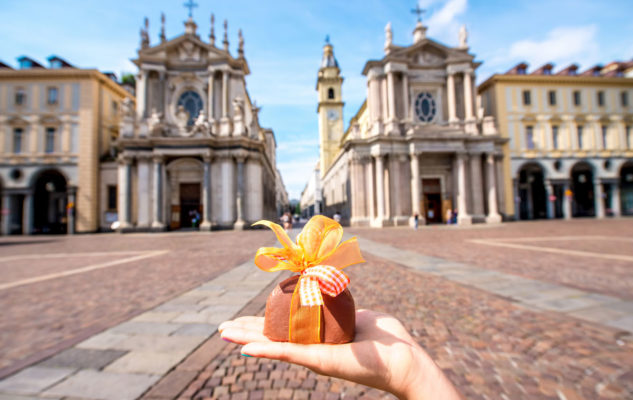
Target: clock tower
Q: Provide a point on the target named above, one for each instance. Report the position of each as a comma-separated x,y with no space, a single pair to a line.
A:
330,109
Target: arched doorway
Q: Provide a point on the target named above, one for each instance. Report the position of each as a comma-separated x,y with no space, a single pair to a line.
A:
532,192
584,204
49,203
626,189
184,179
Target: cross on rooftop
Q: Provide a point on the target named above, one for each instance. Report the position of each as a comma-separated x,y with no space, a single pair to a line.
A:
417,10
190,5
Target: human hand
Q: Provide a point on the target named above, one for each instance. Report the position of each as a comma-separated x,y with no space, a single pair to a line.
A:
383,355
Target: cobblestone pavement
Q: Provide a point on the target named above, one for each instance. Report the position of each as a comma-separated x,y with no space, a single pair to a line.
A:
592,272
131,273
490,346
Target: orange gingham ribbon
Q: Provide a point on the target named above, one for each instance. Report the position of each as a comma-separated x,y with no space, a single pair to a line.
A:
321,278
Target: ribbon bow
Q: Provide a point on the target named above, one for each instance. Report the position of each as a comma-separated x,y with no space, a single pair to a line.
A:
322,278
319,258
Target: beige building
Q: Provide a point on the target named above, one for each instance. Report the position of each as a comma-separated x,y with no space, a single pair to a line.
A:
56,124
570,138
418,144
192,153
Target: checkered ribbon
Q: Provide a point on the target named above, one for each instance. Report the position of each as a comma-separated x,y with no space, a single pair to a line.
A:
320,278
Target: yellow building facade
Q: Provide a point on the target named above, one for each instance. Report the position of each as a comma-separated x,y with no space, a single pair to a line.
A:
56,125
570,139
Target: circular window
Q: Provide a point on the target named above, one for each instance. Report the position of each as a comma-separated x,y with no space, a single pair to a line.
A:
15,174
425,107
192,103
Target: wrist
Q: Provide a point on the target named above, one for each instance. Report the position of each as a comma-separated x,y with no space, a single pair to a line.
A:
427,381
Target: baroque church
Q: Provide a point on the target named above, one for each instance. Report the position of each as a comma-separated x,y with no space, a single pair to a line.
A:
418,145
191,151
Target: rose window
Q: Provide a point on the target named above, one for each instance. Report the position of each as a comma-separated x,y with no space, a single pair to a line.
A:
425,107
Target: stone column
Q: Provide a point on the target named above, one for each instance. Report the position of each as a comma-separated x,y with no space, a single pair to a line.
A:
206,195
141,91
450,94
369,177
391,93
567,201
598,189
125,193
142,192
240,223
405,95
210,105
517,199
477,185
380,191
493,210
225,94
27,214
70,211
415,190
462,213
549,192
355,188
6,213
227,171
468,95
615,199
157,194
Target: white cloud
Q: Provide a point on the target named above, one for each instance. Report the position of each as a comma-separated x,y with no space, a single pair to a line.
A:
444,23
561,45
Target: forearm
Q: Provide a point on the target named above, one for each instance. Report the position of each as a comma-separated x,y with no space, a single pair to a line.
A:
426,381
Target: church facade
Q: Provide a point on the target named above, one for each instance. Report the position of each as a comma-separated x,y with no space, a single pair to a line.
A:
191,152
418,144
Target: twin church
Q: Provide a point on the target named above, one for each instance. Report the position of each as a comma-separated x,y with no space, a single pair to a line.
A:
81,155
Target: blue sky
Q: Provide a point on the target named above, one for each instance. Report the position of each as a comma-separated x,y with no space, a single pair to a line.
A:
284,39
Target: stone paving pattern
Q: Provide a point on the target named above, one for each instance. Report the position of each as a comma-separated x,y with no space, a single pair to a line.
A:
124,361
71,309
488,346
598,275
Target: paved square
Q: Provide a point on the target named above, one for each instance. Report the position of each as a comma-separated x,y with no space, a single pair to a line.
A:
518,311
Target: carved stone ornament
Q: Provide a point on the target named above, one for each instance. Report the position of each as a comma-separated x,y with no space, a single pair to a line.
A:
201,125
155,123
188,51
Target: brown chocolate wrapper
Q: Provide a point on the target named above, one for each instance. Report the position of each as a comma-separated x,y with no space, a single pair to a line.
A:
338,314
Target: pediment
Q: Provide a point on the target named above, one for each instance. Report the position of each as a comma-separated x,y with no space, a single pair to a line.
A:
185,48
17,121
428,52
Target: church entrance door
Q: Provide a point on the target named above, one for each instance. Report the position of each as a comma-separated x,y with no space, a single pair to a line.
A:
190,207
432,190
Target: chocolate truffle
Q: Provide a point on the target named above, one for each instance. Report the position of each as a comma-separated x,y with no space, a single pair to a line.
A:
338,314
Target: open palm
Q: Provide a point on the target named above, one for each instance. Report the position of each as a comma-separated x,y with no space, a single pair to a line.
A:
383,355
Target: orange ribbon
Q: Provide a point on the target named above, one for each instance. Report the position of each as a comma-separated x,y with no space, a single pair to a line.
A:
317,246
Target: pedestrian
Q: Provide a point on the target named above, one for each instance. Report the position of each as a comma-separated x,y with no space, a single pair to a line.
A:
449,216
416,220
337,217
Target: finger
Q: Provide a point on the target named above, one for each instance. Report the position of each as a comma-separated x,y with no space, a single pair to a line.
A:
251,322
324,359
243,336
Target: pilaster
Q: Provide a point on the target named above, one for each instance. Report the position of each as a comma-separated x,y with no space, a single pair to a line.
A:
493,211
463,218
206,224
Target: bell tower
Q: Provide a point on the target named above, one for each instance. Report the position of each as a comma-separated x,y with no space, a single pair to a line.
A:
330,108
